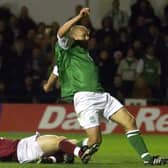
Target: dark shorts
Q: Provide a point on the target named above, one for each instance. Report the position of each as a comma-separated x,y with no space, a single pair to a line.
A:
8,149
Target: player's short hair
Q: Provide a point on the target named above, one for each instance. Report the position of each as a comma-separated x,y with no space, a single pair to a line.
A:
76,28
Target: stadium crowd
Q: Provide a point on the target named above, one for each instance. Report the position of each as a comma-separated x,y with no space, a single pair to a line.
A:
130,51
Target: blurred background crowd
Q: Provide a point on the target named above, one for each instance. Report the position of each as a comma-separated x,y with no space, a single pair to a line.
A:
130,51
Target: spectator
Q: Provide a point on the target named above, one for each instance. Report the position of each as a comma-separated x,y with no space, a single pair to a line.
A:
165,25
13,23
41,28
30,41
149,67
3,55
163,57
15,74
117,89
38,40
139,29
53,40
25,22
6,31
118,16
38,64
127,70
3,96
141,90
153,35
77,9
93,49
5,52
86,21
106,36
117,57
54,28
124,39
5,13
106,69
138,48
144,9
28,90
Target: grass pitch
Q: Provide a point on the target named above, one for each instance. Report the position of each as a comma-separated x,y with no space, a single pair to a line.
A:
115,152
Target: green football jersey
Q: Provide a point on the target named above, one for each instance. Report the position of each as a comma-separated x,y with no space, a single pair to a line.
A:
151,68
77,71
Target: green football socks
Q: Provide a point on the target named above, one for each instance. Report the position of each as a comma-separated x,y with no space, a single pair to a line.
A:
138,144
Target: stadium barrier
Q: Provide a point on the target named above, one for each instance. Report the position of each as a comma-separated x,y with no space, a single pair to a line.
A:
62,118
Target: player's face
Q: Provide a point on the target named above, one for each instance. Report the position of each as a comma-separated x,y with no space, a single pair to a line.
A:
85,35
82,34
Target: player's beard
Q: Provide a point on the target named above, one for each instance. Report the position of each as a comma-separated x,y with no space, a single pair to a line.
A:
82,43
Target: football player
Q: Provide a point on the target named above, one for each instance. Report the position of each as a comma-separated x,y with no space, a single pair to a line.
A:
43,149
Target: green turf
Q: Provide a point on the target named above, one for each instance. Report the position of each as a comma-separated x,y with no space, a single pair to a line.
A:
115,152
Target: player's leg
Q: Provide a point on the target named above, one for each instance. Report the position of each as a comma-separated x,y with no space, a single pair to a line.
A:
89,121
116,112
52,143
94,136
52,152
89,106
93,140
8,149
127,121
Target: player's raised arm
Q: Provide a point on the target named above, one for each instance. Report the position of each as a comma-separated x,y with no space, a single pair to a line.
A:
67,26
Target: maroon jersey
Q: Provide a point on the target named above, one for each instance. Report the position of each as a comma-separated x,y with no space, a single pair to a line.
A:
8,149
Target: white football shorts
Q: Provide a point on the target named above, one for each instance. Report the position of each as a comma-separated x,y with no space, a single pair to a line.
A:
28,150
91,106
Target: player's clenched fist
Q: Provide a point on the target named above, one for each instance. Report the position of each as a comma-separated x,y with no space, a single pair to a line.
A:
84,12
